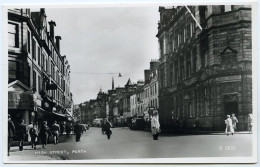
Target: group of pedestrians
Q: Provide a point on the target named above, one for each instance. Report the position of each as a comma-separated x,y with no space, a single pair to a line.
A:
34,133
231,124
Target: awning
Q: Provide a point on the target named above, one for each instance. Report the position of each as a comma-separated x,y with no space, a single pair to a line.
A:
61,117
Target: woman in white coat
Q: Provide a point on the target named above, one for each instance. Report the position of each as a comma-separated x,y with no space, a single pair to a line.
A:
155,125
229,126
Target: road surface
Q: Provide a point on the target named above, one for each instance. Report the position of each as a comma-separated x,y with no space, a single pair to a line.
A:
125,144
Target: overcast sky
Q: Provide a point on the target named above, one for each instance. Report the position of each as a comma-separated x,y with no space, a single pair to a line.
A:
105,40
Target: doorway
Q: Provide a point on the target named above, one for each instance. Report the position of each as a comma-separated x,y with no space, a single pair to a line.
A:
231,108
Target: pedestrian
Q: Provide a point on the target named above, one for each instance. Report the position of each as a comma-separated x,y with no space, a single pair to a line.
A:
155,125
34,134
229,126
55,130
28,131
44,133
234,121
107,128
250,123
77,131
21,133
11,132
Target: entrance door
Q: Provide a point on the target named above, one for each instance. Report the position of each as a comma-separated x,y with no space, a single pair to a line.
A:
231,108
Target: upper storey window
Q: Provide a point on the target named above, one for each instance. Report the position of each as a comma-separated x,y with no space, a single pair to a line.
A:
13,36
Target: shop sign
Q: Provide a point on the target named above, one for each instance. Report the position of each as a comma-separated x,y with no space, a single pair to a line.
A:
229,78
17,100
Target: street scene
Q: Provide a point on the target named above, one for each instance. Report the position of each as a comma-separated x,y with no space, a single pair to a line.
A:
129,83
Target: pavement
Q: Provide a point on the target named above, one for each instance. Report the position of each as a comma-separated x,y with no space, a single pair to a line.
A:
125,144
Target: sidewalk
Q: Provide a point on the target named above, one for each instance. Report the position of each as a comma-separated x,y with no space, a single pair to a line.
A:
195,132
29,153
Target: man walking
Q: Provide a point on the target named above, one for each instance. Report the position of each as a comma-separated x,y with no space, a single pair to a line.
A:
11,132
55,129
107,126
77,131
21,133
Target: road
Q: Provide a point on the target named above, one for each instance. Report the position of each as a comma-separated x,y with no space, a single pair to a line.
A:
125,144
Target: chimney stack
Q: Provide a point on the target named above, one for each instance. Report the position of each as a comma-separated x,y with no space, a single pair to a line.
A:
52,24
58,38
154,65
146,75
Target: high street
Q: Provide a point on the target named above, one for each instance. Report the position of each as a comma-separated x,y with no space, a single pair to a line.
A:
125,143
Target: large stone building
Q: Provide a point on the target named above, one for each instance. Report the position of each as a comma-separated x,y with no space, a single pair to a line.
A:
39,76
205,72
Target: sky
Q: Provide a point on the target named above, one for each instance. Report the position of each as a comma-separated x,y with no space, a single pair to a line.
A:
101,42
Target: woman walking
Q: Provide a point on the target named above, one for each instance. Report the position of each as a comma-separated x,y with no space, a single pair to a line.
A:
44,133
155,125
234,121
229,127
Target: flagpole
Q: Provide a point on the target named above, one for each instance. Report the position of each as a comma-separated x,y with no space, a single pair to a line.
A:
193,17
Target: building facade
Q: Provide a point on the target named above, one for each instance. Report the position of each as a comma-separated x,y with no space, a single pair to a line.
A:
205,67
39,76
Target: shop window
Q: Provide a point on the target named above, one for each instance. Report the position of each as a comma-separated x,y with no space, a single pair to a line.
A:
13,35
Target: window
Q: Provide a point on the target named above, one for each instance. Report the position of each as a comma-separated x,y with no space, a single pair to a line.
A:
194,54
176,72
13,37
171,74
202,14
29,41
39,56
227,8
182,70
34,80
12,69
161,47
188,65
43,62
39,84
34,49
188,27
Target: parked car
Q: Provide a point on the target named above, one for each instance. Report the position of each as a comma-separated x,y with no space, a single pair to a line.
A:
137,124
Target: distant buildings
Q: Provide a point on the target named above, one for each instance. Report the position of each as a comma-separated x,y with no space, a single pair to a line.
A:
39,76
124,103
205,73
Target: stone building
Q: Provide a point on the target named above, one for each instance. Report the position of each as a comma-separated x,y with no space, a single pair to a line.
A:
39,76
205,67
